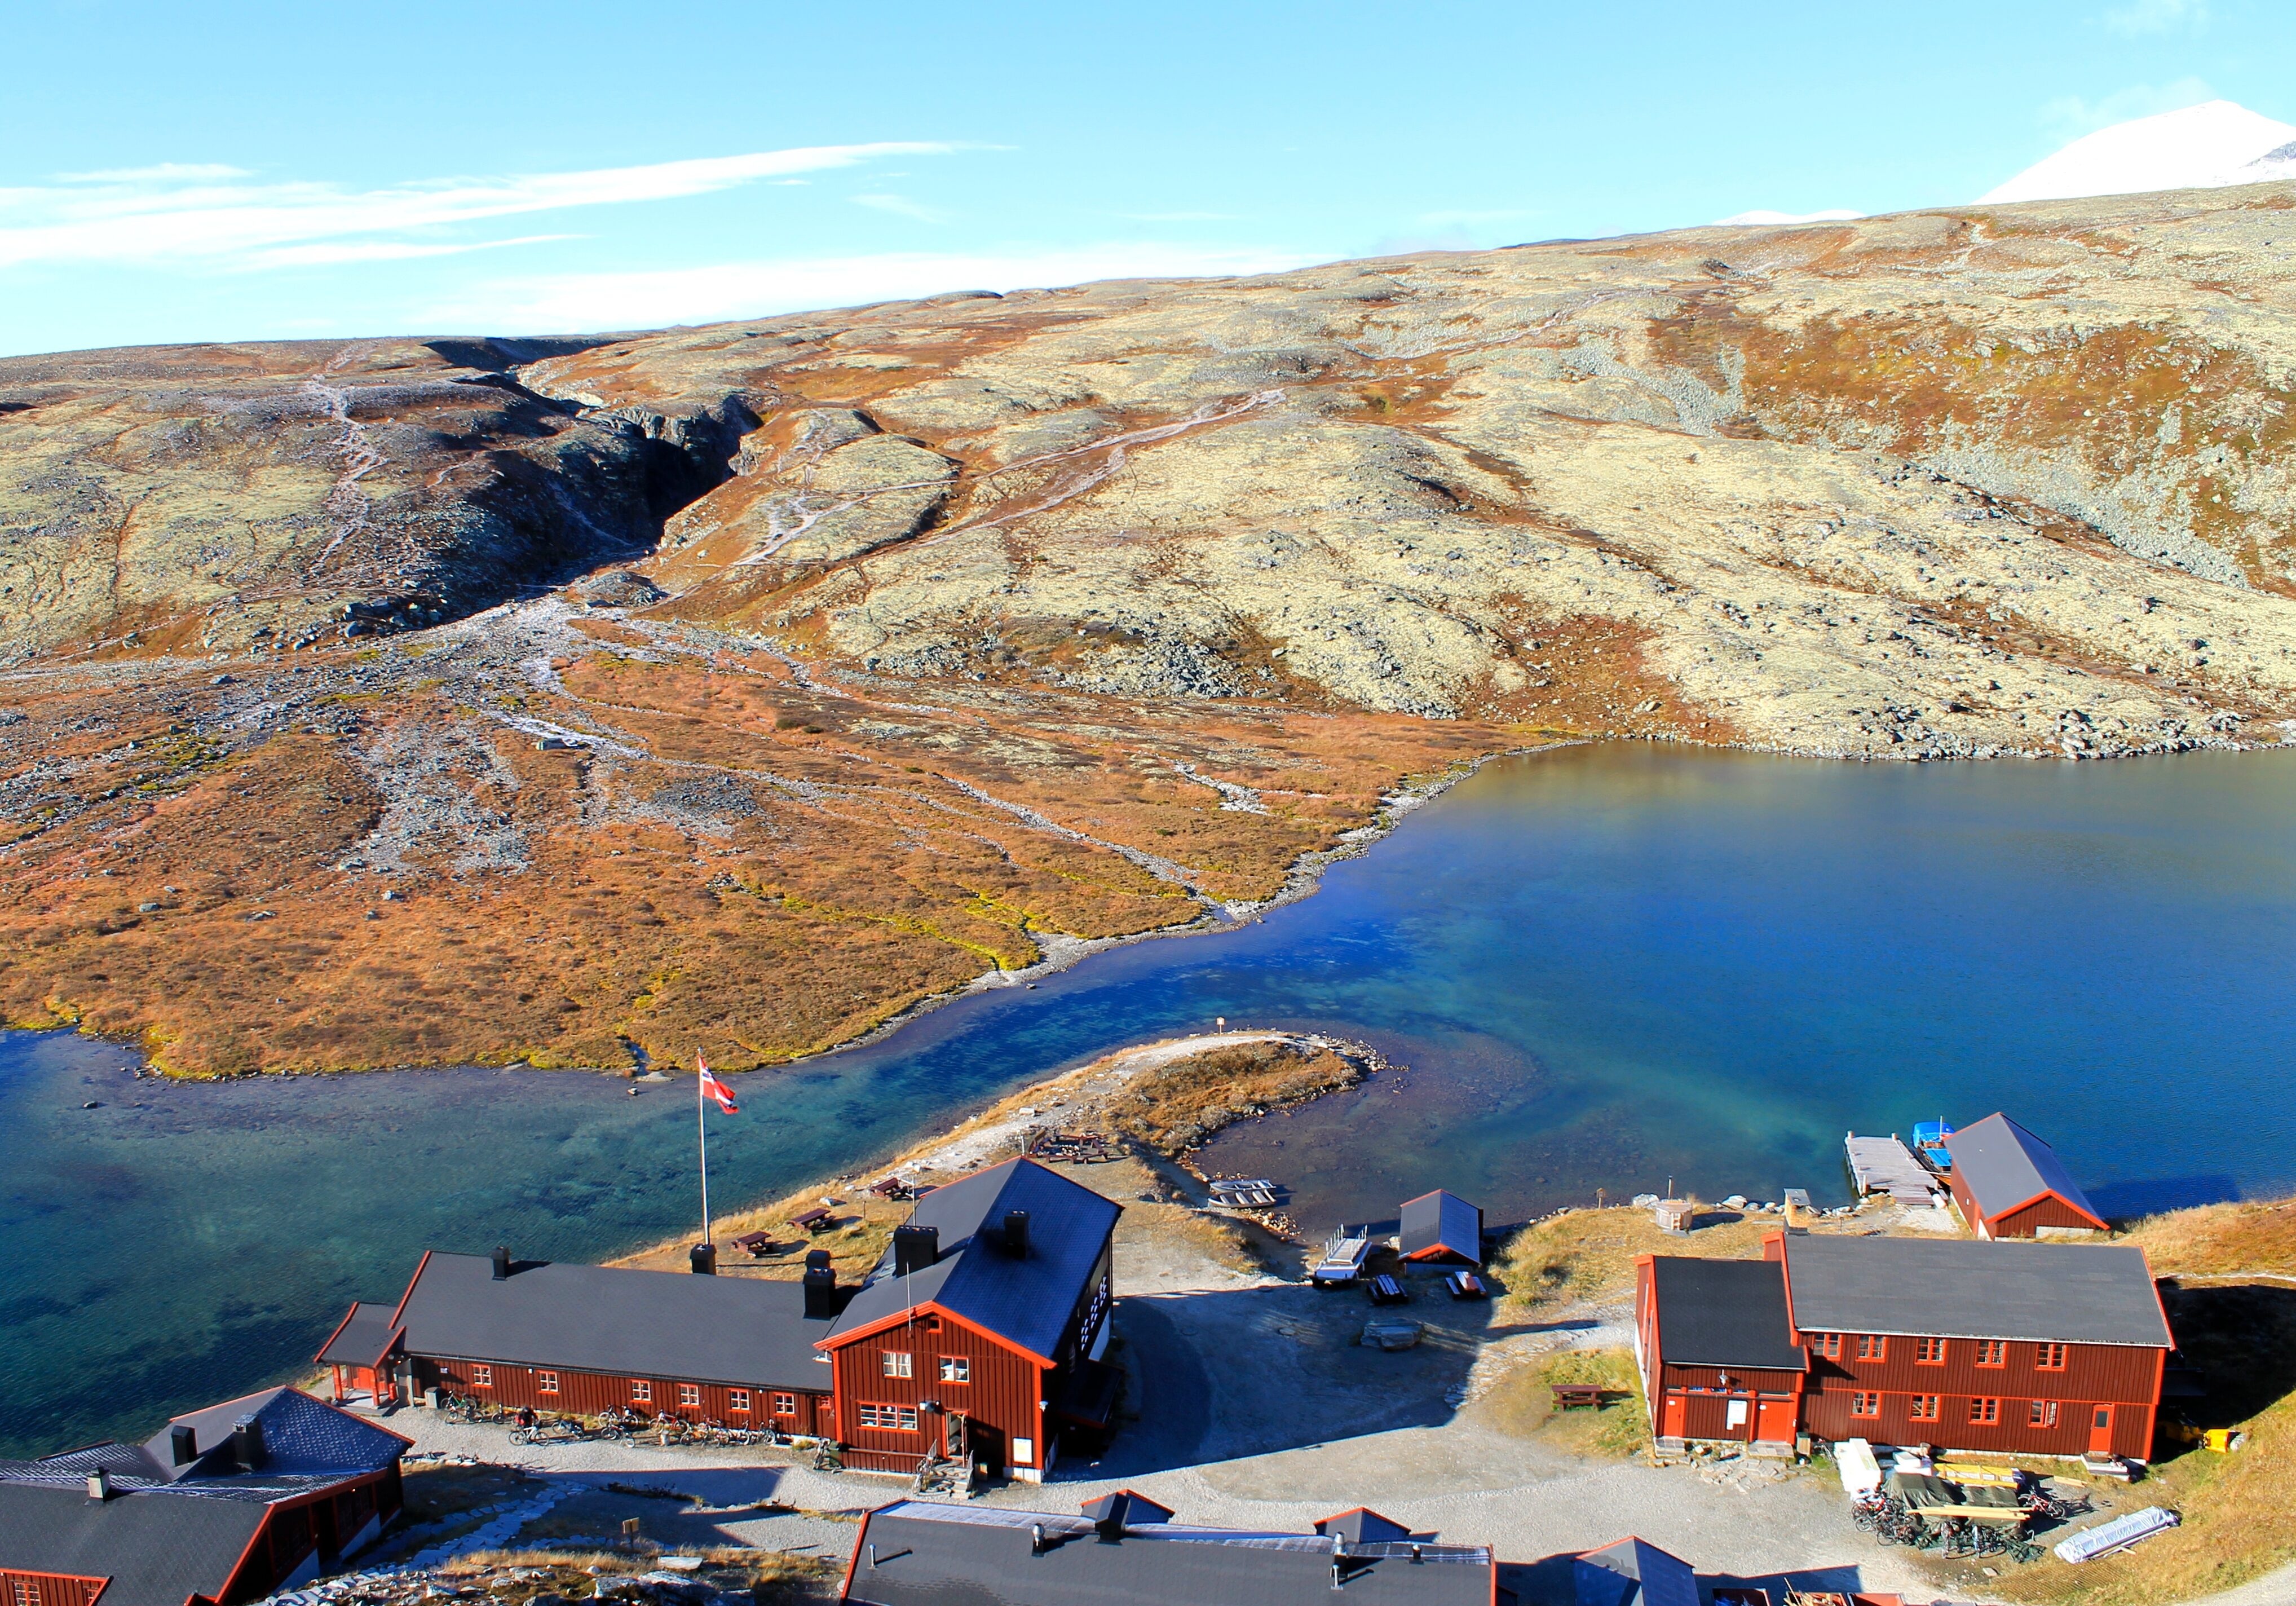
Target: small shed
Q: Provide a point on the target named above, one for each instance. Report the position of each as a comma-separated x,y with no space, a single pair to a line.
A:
2011,1184
1443,1229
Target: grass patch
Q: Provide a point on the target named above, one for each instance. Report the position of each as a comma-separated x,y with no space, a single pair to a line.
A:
1522,1404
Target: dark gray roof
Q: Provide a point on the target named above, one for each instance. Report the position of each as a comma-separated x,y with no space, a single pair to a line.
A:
917,1553
1633,1572
1442,1220
362,1339
746,1331
1956,1287
1026,1299
1724,1313
2004,1166
309,1445
170,1532
158,1549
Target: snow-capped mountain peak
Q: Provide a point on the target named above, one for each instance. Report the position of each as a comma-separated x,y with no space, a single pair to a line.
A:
2202,147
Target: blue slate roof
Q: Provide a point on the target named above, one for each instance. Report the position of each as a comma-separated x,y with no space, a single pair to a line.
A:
307,1444
1633,1572
1442,1221
1026,1299
2004,1166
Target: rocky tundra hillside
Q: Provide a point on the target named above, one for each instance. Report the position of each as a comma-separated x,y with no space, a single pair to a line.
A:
737,688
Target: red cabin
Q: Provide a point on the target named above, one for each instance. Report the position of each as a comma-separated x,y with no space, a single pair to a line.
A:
980,1335
1993,1349
2009,1183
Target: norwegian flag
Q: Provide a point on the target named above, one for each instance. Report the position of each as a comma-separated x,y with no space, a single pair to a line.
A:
717,1089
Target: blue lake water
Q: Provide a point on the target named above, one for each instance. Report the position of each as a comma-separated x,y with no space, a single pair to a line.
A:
1604,966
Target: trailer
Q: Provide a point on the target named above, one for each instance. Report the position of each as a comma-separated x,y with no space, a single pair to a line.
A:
1342,1260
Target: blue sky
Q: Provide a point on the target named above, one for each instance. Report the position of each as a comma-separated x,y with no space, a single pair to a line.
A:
183,172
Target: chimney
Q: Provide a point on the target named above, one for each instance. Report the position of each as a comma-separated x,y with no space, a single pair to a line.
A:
247,1443
821,1300
701,1259
183,1444
99,1485
1016,1233
914,1248
501,1262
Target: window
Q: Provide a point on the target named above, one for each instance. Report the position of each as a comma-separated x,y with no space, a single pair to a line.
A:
1992,1352
2052,1358
1928,1352
546,1382
1926,1407
737,1399
1985,1413
641,1391
901,1418
955,1369
1866,1403
784,1405
1827,1346
25,1593
2043,1413
482,1377
1872,1347
689,1394
896,1363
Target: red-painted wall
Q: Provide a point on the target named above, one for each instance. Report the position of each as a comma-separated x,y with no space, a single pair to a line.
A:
590,1393
1002,1396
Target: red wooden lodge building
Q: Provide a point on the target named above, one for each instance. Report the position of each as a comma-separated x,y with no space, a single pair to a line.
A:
2001,1348
222,1506
978,1337
2008,1184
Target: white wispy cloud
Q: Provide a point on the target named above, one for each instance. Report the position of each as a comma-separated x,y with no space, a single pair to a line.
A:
1457,219
902,206
196,213
1175,216
381,250
2067,117
558,303
163,172
2156,16
1765,220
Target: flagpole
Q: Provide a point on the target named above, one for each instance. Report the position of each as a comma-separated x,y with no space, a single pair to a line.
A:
702,1131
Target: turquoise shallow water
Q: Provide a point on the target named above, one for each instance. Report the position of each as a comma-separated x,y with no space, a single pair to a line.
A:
1604,966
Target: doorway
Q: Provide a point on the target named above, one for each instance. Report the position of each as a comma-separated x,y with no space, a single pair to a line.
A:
1670,1417
1774,1420
2100,1431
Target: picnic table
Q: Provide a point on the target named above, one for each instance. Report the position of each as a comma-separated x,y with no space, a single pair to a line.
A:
815,1220
757,1244
891,1187
1576,1397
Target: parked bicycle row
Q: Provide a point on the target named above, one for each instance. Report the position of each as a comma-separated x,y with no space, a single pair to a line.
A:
529,1427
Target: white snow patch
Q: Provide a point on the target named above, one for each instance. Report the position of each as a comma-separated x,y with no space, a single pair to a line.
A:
2202,147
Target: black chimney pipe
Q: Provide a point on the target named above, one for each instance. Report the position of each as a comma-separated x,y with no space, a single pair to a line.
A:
247,1443
1016,1233
501,1262
183,1444
821,1300
914,1248
701,1259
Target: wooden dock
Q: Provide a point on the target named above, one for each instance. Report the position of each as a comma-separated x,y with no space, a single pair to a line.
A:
1884,1165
